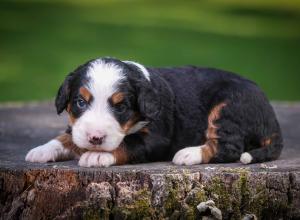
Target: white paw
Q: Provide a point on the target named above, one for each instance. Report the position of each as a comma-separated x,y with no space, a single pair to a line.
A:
96,159
51,151
246,158
188,156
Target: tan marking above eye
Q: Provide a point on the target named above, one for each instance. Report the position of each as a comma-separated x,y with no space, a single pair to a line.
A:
117,97
85,93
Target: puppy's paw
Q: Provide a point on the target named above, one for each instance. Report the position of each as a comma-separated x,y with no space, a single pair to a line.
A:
188,156
96,159
51,151
246,158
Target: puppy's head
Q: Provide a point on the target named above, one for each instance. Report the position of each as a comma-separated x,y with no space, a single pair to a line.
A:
107,99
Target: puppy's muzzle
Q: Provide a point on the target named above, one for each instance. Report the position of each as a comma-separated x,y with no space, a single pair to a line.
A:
96,139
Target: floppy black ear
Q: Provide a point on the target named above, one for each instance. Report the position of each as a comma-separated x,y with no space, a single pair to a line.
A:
63,95
148,98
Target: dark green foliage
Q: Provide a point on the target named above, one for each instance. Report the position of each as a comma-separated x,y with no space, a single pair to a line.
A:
41,41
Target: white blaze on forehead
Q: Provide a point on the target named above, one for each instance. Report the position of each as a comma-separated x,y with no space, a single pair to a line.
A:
104,78
141,67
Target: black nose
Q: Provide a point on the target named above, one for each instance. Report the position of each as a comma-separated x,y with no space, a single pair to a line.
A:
96,140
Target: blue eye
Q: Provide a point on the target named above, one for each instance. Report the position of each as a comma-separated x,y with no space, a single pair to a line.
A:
81,103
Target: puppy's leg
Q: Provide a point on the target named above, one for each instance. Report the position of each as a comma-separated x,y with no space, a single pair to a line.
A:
223,141
269,149
58,149
104,159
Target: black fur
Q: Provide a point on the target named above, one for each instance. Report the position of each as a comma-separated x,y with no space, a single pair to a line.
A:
244,122
177,102
155,102
68,91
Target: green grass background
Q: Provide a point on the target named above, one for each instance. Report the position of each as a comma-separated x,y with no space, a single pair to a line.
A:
41,41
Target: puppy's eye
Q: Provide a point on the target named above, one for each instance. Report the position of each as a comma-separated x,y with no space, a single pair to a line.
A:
120,108
81,103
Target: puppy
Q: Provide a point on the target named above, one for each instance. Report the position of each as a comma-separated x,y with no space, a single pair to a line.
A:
122,112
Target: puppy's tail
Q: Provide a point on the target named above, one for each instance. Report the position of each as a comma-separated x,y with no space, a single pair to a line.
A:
269,149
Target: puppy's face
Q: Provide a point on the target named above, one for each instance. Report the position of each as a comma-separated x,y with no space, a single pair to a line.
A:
102,102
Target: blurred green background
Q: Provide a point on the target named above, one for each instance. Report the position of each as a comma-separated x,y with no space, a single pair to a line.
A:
41,41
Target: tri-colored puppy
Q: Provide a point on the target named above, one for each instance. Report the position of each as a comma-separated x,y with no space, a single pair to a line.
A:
122,112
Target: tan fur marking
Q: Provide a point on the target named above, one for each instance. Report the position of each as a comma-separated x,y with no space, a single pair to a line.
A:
85,93
66,140
121,155
268,140
72,119
117,97
130,123
145,130
210,149
208,152
69,108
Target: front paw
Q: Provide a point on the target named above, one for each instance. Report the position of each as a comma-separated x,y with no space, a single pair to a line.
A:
96,159
188,156
50,151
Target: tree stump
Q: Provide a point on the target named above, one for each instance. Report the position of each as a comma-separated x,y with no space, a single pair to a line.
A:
63,190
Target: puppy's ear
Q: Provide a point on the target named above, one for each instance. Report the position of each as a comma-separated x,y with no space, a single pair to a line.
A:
148,98
63,94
